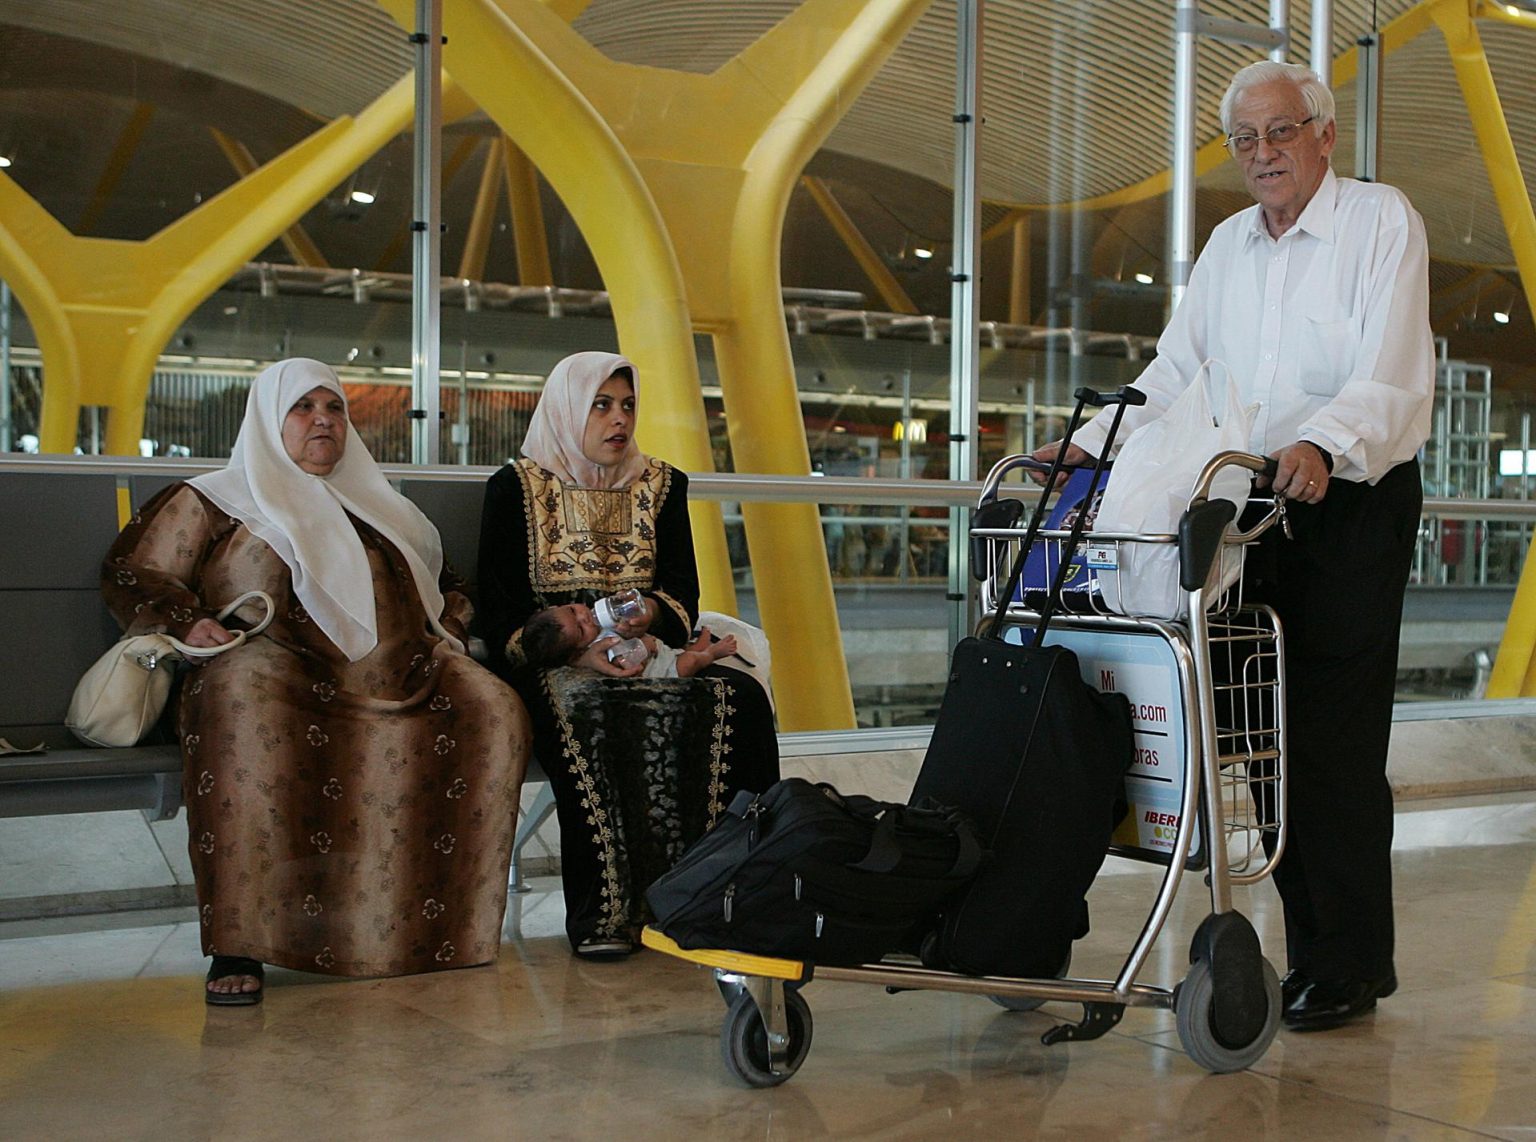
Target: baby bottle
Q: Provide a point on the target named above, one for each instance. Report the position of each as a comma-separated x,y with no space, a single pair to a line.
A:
630,652
619,607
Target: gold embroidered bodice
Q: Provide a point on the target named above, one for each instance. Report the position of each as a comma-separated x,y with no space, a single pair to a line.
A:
592,539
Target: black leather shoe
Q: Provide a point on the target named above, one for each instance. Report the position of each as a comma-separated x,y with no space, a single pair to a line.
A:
1291,987
1323,1004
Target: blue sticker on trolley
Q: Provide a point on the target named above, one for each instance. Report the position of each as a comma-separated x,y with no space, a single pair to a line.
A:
1045,556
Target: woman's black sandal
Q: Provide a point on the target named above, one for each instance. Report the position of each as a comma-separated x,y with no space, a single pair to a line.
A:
605,948
225,966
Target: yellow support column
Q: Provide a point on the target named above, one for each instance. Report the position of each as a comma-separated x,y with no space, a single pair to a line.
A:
296,240
123,150
528,233
451,165
875,269
1514,671
477,239
103,309
820,58
679,183
1019,307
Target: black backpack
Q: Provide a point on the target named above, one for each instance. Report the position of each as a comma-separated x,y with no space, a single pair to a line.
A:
803,872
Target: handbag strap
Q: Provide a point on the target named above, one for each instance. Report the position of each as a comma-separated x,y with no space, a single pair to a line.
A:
240,635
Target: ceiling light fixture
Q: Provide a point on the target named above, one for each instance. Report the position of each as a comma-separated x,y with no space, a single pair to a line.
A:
922,252
362,197
5,161
1501,316
1144,279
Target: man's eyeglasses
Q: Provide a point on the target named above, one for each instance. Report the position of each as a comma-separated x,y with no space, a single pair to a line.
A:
1280,136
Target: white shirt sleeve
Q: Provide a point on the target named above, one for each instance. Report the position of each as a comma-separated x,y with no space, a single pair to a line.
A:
1380,416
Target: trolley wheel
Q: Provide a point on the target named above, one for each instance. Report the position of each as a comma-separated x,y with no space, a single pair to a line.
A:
1019,1003
744,1041
729,989
1201,1043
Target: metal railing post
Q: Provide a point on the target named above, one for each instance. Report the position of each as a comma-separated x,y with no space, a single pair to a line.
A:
965,330
1322,40
1280,21
5,366
1181,204
426,236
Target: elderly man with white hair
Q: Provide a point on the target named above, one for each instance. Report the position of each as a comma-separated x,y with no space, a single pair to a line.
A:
1317,299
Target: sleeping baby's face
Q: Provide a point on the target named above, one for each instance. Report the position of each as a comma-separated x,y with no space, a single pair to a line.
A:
578,626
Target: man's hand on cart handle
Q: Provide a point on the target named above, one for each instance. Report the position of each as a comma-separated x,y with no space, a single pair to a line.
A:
1075,458
1300,473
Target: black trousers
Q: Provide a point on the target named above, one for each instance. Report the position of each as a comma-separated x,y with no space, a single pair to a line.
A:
1338,588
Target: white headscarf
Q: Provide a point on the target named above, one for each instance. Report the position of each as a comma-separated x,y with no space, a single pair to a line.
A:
559,423
303,517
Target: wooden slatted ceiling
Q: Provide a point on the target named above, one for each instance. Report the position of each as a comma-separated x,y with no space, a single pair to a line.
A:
1077,94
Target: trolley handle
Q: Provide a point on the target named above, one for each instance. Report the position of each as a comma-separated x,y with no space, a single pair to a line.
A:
1203,527
1265,466
1044,465
1260,465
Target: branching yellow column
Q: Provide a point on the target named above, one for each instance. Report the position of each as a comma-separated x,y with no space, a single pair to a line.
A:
500,66
679,183
811,89
1514,671
878,273
103,309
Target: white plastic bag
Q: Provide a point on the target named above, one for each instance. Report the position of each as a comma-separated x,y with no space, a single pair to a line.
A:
752,654
1149,488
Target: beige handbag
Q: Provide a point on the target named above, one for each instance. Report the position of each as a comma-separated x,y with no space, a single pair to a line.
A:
121,696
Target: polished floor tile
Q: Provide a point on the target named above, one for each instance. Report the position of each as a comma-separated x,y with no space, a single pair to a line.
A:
102,1035
43,855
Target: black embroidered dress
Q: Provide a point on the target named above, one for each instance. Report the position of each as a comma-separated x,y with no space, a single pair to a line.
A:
640,767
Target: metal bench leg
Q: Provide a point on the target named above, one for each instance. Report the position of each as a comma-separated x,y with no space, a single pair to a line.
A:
543,805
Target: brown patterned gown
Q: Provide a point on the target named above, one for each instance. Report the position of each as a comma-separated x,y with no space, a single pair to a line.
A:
641,767
352,818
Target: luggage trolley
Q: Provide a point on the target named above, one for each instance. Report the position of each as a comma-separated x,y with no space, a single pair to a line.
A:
1207,791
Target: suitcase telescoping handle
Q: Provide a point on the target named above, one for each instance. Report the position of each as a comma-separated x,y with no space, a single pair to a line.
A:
1120,398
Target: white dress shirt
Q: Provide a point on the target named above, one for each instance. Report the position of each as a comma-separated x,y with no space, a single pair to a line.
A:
1325,329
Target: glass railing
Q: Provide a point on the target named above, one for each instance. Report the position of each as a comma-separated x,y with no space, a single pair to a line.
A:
888,547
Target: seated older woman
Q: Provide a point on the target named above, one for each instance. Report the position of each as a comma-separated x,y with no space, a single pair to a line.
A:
351,777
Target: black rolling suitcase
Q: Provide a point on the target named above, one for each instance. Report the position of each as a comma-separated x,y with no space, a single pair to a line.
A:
1035,757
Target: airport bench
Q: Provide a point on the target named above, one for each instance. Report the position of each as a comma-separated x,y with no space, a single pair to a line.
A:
55,528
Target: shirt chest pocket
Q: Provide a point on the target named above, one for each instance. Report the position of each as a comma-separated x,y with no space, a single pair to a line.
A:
1325,350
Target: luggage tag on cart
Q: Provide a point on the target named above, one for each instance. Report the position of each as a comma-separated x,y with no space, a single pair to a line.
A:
1102,556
